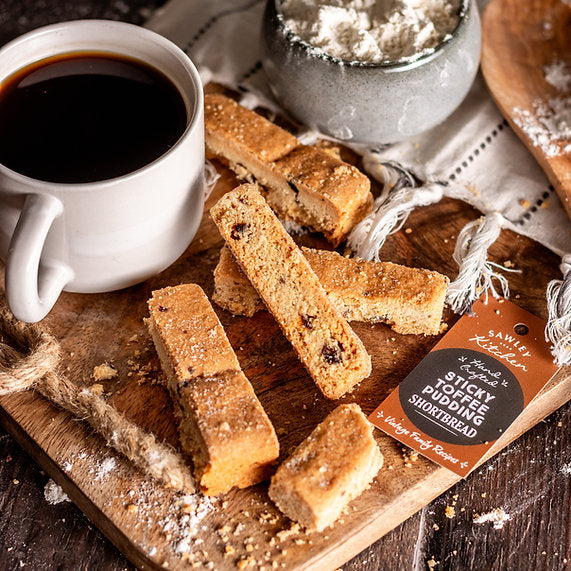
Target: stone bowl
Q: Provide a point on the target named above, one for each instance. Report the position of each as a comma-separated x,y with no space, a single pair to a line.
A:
373,103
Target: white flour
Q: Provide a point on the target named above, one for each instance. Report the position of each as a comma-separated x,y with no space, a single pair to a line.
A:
558,75
105,467
496,516
54,494
548,126
372,30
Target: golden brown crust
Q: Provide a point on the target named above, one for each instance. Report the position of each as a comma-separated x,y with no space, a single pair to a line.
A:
222,425
333,465
410,300
227,121
328,347
197,343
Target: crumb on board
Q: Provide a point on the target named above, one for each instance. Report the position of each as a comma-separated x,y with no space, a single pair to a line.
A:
432,563
285,533
132,508
104,372
450,512
245,562
96,389
409,456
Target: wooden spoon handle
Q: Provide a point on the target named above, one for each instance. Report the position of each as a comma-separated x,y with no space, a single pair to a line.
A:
518,42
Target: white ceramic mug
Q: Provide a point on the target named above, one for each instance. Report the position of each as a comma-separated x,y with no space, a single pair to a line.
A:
107,235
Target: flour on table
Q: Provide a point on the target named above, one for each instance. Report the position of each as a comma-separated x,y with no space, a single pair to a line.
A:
497,516
548,125
54,494
105,467
194,508
372,30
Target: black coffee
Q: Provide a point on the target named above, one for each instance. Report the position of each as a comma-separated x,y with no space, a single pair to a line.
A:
85,117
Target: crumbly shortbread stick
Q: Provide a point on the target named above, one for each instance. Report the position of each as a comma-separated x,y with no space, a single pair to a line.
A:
301,183
232,288
242,136
315,189
333,465
410,300
327,346
222,425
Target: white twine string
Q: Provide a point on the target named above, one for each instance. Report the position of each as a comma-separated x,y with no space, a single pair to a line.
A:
211,177
476,272
388,216
390,174
558,329
308,137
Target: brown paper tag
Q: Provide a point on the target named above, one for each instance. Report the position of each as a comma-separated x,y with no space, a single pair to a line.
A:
470,388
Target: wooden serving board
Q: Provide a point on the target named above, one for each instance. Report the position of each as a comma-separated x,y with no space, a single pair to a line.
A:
156,527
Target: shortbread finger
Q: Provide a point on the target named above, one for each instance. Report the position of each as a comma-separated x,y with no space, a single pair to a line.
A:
332,466
301,183
221,422
232,288
249,141
327,346
410,300
315,189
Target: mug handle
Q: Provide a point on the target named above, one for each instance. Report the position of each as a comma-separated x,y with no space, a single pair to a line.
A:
33,284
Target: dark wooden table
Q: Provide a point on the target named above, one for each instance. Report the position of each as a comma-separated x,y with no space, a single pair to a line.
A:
531,479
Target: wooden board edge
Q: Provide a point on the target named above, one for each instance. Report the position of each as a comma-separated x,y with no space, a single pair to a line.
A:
550,399
432,485
87,507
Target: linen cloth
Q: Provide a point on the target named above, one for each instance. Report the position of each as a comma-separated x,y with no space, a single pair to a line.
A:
474,148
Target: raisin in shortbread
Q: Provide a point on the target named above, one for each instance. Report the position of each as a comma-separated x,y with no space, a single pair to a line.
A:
301,183
222,425
317,190
410,300
333,465
324,341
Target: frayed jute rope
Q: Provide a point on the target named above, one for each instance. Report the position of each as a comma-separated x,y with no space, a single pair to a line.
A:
477,273
211,177
29,357
389,216
558,329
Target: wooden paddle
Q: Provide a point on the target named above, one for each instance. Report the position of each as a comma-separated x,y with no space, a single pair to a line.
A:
519,41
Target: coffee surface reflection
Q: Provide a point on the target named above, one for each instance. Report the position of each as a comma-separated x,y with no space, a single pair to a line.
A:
85,117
